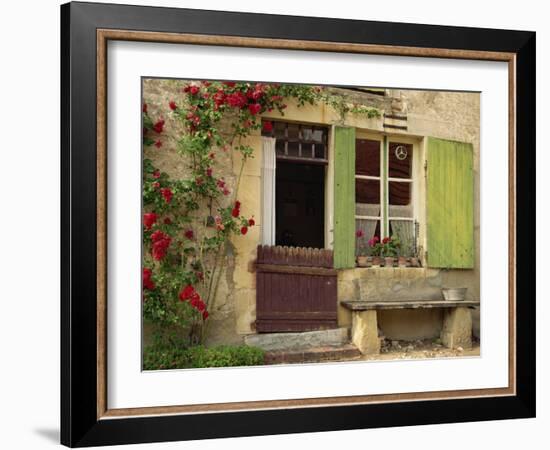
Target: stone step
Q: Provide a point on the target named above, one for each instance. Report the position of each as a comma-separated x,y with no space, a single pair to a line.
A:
299,341
347,352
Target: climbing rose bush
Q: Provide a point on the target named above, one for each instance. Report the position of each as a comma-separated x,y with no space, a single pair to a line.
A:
188,222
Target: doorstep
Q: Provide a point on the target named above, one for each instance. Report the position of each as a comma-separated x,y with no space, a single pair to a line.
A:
299,341
346,352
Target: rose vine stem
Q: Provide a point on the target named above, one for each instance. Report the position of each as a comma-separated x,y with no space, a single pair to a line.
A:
211,297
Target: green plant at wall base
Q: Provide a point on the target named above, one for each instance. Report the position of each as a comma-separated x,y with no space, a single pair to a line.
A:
188,222
159,357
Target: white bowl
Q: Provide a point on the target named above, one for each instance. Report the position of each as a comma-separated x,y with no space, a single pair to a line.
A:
454,294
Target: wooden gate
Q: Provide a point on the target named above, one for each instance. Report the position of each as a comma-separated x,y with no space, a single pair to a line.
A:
295,289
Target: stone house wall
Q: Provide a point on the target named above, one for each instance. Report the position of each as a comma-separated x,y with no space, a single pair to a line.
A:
447,115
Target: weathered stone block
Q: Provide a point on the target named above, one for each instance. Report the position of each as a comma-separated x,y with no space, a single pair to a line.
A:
457,328
364,332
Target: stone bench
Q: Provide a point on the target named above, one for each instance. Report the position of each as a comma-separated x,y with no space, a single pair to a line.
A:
457,321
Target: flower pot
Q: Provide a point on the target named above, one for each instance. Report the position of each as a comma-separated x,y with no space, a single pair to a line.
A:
376,261
388,261
362,261
402,261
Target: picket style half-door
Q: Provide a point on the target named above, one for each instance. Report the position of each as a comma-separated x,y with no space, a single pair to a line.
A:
296,289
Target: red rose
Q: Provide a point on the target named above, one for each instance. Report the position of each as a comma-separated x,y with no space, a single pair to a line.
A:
219,98
144,108
205,315
159,126
229,83
167,194
193,90
149,219
147,282
189,234
244,230
197,303
206,83
186,293
237,204
156,185
167,221
267,127
172,105
156,173
251,222
226,191
236,100
254,108
255,93
209,171
157,236
359,233
158,144
386,240
201,306
220,183
235,212
160,247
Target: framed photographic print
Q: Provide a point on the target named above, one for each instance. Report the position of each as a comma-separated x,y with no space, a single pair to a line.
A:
276,224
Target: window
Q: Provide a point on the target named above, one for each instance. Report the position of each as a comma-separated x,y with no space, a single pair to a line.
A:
384,186
298,183
383,190
299,142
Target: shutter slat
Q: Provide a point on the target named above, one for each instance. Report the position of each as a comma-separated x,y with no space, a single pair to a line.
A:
450,204
344,197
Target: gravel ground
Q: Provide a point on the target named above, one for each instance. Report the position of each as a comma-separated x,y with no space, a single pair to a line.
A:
421,349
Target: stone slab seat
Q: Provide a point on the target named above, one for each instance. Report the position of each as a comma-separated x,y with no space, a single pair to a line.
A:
456,330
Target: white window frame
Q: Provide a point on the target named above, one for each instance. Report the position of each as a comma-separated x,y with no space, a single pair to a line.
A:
385,139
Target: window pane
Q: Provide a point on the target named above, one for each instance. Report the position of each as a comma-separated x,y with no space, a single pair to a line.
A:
320,151
370,228
400,193
307,133
367,191
307,151
367,157
293,149
279,128
400,160
318,136
293,131
405,230
279,147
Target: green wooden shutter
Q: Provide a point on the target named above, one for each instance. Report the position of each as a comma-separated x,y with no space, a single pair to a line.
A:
450,204
344,197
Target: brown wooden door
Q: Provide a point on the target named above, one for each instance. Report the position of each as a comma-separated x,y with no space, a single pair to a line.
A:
295,289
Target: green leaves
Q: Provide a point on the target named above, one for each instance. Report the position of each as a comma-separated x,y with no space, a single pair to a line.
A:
178,355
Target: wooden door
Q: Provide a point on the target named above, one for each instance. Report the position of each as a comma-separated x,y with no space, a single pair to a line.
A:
295,289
